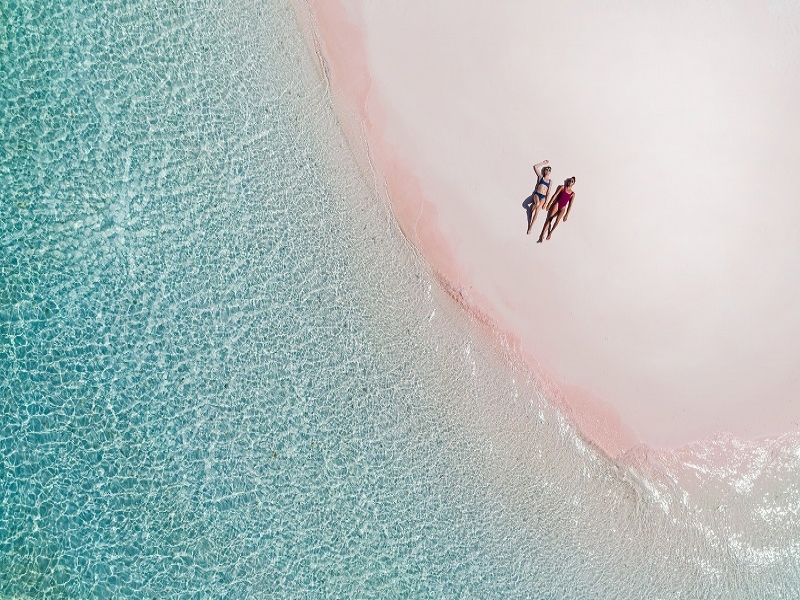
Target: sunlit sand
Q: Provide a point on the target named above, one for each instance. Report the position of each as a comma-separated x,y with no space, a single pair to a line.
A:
665,308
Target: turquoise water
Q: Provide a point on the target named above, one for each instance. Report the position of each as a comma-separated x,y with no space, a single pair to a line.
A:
223,373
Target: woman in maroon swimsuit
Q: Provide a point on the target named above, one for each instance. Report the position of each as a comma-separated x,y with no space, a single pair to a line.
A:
559,206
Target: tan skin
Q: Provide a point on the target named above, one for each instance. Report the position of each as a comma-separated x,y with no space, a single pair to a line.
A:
554,214
542,174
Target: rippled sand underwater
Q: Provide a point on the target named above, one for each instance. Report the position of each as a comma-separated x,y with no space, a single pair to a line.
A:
223,372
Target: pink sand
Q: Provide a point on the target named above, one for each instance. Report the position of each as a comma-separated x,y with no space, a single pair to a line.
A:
665,310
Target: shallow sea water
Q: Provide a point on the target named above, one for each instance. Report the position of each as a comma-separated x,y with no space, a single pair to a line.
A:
224,373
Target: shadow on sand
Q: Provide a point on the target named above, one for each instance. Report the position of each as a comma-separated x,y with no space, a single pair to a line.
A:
527,204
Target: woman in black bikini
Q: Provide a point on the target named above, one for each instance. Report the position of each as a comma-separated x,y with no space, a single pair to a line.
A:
540,191
558,207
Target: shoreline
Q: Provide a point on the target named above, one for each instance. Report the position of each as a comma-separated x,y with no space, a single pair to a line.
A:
597,421
375,134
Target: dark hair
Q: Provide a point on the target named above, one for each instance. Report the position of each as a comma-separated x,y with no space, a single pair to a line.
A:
546,170
569,180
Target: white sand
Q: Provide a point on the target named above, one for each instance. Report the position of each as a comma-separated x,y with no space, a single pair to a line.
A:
671,293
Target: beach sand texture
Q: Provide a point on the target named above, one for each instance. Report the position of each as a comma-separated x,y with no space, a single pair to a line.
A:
664,311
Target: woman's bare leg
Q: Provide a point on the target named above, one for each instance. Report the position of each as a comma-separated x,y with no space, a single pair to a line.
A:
550,215
535,208
558,220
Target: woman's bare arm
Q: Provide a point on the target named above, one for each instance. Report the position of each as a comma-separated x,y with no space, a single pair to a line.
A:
538,167
552,198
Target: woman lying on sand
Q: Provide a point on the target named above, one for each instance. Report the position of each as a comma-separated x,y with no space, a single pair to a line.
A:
540,191
559,206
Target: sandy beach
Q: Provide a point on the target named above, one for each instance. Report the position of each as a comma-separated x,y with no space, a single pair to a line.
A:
663,311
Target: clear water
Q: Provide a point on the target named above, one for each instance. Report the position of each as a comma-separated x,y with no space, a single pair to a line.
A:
223,373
